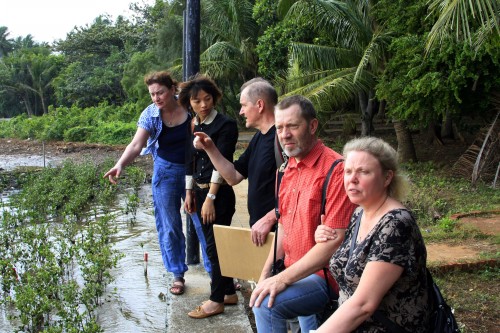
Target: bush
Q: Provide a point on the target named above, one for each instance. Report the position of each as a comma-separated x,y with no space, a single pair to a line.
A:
105,123
78,134
113,133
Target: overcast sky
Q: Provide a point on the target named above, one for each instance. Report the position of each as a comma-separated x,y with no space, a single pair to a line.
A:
48,20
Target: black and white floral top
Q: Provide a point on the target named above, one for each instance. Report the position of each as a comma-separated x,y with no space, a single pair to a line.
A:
396,239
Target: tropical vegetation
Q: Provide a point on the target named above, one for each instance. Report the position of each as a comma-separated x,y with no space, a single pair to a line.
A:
431,66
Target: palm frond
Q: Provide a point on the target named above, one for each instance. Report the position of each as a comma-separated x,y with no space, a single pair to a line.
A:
457,17
328,88
313,57
373,55
221,60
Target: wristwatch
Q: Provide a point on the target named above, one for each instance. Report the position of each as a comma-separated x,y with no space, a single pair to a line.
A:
211,196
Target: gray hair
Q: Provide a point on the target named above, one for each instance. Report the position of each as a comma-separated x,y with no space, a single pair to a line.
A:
388,159
259,88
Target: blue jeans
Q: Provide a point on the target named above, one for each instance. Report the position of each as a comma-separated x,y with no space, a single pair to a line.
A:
304,299
168,187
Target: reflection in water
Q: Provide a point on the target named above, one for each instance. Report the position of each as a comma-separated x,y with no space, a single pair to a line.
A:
133,302
10,162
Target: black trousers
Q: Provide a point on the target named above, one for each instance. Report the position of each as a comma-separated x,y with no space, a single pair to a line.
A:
224,210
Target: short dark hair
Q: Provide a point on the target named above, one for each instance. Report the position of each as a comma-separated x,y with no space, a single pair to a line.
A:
260,88
163,78
306,107
192,87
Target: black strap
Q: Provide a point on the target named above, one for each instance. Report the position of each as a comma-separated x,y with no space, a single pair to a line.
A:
389,324
279,155
325,185
279,175
323,204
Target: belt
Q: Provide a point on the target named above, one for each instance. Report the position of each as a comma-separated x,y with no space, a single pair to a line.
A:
207,185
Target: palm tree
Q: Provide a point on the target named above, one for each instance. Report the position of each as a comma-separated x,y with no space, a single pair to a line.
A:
228,36
461,18
5,42
334,73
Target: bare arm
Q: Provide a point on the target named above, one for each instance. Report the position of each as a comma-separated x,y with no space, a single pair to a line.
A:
315,259
208,206
131,152
221,164
376,280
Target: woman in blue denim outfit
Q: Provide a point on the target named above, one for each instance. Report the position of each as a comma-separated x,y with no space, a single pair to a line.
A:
164,128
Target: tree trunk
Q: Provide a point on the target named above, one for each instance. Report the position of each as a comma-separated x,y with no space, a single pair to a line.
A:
27,105
447,131
406,148
366,104
381,109
434,134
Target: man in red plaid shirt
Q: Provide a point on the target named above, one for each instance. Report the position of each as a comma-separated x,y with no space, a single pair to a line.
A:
300,290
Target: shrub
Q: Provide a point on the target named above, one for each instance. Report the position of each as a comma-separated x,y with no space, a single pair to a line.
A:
78,134
113,133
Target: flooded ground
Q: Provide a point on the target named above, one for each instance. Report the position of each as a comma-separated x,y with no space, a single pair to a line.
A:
134,302
10,162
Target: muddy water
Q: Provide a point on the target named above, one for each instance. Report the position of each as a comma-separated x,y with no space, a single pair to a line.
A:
9,162
134,301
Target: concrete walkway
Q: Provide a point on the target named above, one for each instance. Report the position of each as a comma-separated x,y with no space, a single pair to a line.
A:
234,318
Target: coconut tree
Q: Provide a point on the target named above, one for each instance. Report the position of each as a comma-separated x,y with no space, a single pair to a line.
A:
477,23
461,18
345,64
5,42
228,36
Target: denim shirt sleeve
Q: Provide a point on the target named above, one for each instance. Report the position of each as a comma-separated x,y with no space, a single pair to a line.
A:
150,120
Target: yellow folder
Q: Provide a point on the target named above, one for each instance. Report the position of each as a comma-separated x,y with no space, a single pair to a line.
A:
238,256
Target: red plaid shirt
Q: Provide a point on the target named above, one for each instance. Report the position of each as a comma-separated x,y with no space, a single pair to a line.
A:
300,200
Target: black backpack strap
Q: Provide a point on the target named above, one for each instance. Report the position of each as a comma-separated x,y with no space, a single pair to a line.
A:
279,176
323,203
389,324
279,154
325,185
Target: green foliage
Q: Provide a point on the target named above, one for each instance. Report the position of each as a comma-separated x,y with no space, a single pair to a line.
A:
433,195
46,233
404,17
139,65
113,132
447,224
26,78
423,89
78,134
274,43
103,124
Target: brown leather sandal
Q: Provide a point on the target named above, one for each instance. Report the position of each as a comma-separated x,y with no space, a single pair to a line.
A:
177,287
